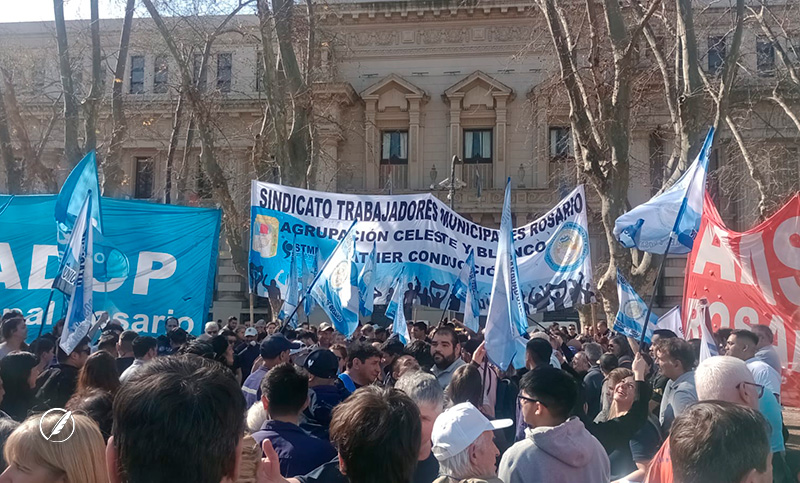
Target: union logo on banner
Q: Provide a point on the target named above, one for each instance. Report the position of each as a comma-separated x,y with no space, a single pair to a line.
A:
750,278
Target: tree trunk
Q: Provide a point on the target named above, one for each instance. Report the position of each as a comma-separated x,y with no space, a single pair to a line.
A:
183,177
15,174
72,151
113,174
173,146
93,100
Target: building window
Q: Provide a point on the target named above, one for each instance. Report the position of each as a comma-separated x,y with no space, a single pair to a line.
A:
200,81
260,72
394,160
161,75
394,147
137,74
765,57
38,75
224,63
145,178
716,54
560,143
478,146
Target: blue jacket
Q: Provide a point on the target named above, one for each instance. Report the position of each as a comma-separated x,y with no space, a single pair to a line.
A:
251,389
298,451
316,418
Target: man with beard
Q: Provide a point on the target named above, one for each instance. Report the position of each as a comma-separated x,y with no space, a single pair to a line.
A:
446,352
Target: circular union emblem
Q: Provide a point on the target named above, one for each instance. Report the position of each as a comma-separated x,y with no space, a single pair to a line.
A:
340,276
633,309
368,277
569,248
62,430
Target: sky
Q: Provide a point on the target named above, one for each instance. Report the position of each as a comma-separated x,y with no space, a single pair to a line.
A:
42,10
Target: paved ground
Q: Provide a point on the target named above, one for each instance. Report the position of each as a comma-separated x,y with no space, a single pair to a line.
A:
791,418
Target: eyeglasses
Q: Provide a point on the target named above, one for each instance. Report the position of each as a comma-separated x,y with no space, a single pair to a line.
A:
522,398
759,387
213,332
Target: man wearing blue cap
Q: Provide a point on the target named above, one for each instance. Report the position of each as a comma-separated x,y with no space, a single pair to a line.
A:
274,350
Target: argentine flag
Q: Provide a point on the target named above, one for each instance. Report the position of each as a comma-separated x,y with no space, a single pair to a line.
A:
506,322
674,213
75,278
311,268
292,292
395,309
631,313
336,286
366,284
467,292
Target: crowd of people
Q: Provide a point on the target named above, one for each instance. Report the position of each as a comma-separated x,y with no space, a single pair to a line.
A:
261,403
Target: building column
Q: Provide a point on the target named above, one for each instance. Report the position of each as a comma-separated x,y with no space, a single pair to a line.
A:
501,171
414,143
328,161
371,138
455,135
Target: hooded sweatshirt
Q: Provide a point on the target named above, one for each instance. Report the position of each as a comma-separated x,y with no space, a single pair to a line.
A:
566,453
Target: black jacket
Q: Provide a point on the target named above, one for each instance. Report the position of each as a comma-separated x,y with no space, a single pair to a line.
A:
55,386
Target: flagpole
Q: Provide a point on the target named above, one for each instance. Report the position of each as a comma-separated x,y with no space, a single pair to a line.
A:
656,283
46,310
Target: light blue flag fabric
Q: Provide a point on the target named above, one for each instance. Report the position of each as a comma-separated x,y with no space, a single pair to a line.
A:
312,268
631,313
396,311
110,262
81,180
675,213
336,287
292,292
366,284
77,273
506,322
465,289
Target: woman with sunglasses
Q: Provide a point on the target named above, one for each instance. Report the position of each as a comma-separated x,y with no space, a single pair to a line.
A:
630,462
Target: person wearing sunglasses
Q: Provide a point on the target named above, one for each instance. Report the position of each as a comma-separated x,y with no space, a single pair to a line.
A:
56,385
719,378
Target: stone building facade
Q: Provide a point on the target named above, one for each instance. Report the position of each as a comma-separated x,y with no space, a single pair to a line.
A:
401,87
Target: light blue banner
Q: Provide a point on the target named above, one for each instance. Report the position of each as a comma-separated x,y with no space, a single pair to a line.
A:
172,252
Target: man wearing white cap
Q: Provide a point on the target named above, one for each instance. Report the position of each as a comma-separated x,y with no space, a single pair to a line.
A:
463,442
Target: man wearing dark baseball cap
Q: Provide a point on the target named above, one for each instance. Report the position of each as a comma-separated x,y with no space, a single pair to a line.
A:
274,350
322,366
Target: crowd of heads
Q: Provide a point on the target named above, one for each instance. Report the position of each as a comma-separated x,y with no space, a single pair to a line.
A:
247,402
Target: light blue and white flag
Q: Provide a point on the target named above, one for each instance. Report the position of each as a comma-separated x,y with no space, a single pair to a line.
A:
110,262
292,292
631,313
396,311
76,277
708,346
336,287
675,213
506,322
366,284
310,270
465,289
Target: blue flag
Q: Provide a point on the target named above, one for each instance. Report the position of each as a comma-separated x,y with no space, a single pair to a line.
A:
366,284
336,287
631,313
465,289
312,268
81,181
396,311
506,323
76,277
675,213
292,292
110,262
